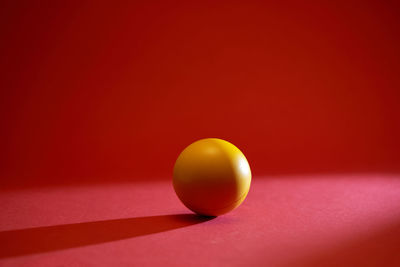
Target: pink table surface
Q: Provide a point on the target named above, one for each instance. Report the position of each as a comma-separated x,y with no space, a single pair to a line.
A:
310,220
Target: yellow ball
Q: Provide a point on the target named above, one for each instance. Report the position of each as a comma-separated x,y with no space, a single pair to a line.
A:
211,177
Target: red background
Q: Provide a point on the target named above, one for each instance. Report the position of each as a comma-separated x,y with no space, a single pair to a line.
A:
96,92
112,92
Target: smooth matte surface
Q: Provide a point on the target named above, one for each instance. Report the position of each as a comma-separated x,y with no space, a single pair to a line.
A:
347,220
115,91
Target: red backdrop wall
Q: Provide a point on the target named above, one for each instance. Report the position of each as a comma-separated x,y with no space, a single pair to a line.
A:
94,92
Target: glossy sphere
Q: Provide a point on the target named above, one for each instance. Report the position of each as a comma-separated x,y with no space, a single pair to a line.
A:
211,177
